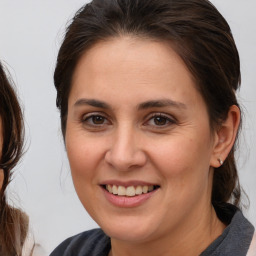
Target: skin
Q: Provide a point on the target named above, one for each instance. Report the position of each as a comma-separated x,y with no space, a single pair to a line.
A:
128,143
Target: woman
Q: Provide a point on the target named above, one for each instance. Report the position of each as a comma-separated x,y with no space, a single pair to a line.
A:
13,222
149,115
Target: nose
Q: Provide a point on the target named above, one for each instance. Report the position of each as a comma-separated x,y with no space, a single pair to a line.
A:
126,150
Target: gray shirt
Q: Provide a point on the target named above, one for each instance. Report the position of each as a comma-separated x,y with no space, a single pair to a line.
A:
234,241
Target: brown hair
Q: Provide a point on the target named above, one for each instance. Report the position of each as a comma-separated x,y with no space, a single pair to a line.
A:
13,222
195,30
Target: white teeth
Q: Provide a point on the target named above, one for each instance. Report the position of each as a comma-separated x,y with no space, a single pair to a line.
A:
121,191
114,190
145,189
129,191
150,188
138,190
109,188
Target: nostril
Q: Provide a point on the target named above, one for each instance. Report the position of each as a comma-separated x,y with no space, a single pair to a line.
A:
125,161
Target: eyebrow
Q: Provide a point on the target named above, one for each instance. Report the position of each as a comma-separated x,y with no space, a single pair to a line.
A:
93,103
161,103
144,105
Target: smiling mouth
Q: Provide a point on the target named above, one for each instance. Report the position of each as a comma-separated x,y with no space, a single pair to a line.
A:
129,191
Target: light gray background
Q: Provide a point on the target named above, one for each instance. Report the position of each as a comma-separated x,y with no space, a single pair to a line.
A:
30,34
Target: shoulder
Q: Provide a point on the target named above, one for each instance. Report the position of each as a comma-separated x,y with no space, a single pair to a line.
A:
236,238
30,246
252,249
93,242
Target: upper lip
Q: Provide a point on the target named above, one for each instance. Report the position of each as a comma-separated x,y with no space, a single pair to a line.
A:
127,183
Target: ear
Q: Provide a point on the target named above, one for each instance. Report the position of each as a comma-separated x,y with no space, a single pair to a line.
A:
225,136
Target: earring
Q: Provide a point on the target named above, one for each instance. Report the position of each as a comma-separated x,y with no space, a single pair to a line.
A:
221,162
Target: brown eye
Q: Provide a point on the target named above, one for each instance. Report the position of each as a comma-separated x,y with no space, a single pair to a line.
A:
159,120
94,120
98,119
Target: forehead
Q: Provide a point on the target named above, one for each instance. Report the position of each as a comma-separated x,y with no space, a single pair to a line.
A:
132,65
130,52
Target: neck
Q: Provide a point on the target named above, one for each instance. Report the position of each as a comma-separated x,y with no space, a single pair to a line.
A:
193,236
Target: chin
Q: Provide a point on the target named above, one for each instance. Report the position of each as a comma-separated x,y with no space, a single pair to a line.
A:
130,230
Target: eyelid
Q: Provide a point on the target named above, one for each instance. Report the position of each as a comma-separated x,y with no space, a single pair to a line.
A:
85,117
94,113
171,120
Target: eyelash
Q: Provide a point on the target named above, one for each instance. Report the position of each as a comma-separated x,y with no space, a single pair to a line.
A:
166,118
87,120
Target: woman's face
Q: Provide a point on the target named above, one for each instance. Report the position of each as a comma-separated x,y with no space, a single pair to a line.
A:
136,122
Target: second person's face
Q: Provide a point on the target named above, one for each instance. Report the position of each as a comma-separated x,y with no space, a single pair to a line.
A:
138,140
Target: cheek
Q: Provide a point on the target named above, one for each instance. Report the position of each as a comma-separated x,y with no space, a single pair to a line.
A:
84,155
183,161
185,174
82,161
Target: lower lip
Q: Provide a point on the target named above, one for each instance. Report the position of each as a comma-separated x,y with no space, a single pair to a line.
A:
126,201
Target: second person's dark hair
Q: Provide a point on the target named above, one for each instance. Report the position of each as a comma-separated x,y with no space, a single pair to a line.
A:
13,222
